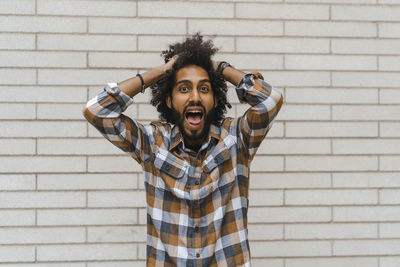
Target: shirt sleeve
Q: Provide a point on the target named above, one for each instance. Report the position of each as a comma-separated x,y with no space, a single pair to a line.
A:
104,112
265,101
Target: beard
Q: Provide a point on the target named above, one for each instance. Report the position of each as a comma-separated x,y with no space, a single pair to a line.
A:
193,135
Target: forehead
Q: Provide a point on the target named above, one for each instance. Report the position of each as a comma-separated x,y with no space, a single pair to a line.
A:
192,73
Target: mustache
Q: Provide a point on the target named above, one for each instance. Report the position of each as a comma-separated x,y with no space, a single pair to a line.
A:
193,104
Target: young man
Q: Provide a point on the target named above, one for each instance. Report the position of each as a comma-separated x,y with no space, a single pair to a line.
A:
196,162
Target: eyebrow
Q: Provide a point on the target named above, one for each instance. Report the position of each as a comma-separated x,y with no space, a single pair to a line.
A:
188,81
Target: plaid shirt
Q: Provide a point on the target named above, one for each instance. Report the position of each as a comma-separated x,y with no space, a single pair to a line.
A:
196,201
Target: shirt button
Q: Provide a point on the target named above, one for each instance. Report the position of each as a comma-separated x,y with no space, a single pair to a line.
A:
197,182
198,255
197,229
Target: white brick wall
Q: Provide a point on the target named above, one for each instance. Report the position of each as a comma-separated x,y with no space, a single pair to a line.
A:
330,192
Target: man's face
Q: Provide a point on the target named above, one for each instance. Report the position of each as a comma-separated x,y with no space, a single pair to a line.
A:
192,103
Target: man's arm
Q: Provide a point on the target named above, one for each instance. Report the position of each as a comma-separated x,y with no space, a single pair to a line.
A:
104,112
265,102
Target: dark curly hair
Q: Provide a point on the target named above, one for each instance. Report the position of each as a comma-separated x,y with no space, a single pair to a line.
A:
192,51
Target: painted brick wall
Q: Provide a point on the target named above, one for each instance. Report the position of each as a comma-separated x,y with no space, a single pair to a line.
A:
325,185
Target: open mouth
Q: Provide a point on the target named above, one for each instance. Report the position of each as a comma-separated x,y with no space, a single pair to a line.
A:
194,117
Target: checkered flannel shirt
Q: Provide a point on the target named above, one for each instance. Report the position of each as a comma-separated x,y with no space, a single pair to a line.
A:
196,202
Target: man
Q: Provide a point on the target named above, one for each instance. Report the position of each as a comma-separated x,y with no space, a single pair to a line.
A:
196,162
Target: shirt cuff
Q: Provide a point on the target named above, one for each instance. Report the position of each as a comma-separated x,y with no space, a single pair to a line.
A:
114,91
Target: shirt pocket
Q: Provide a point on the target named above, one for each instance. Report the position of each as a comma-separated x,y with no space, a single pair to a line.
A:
169,164
216,159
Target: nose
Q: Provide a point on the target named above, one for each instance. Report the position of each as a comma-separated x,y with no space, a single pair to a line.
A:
194,96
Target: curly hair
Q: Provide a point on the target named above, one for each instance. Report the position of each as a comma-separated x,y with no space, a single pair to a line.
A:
192,51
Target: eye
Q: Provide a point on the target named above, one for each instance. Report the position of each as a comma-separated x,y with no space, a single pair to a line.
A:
204,89
184,89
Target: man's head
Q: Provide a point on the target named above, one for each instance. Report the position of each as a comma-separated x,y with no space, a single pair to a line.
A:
192,95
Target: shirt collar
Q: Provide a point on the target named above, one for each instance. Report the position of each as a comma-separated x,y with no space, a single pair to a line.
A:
177,139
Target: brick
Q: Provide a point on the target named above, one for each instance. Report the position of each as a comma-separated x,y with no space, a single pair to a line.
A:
366,112
117,234
43,59
365,13
42,199
86,42
366,214
331,231
113,164
17,76
236,27
330,29
289,214
120,263
281,45
331,163
389,163
389,129
13,41
86,217
289,180
160,43
331,96
366,247
305,112
131,199
277,129
389,230
325,62
251,61
367,180
333,2
333,262
389,96
147,112
17,146
295,146
17,182
17,217
258,163
81,76
47,265
185,9
266,262
366,146
86,181
142,213
331,129
389,30
87,252
366,46
389,196
331,197
392,2
137,26
291,249
42,129
42,164
60,111
257,198
32,24
17,111
86,8
281,79
276,11
17,254
389,63
124,60
265,232
77,147
40,235
43,94
17,7
389,261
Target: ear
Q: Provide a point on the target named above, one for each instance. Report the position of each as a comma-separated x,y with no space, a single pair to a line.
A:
169,102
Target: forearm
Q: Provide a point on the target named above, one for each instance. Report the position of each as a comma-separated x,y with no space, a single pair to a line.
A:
133,85
232,75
